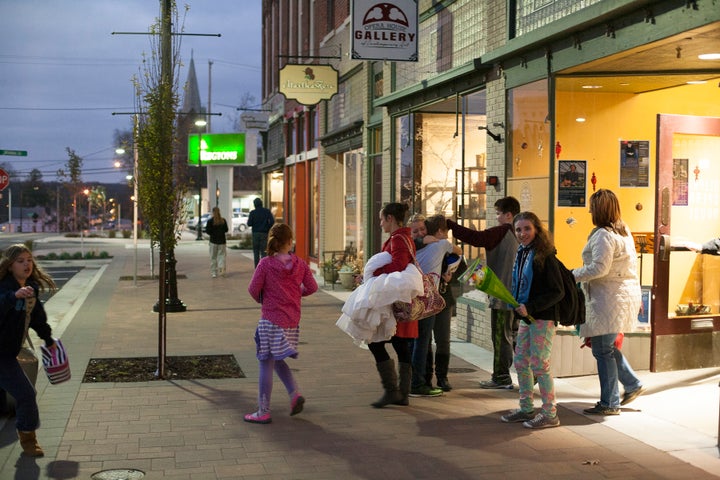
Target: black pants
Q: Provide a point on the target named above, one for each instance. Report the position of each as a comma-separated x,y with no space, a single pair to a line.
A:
259,242
402,346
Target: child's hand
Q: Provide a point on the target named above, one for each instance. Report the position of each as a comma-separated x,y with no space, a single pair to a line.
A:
25,292
521,310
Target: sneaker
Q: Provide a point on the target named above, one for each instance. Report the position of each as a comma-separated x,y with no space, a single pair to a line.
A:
542,421
493,384
630,396
296,405
425,391
516,416
600,409
257,417
444,385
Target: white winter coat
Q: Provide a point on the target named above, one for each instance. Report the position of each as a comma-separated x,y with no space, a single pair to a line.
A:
610,281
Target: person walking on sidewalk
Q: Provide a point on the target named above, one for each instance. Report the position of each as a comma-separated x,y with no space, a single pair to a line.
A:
280,281
20,282
401,249
500,245
538,288
260,220
430,259
217,228
612,292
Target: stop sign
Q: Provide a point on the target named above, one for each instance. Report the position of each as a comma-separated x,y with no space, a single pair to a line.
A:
4,179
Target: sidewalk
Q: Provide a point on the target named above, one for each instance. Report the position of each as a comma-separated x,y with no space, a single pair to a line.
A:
194,429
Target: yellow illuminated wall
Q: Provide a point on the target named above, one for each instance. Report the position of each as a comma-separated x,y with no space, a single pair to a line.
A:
611,118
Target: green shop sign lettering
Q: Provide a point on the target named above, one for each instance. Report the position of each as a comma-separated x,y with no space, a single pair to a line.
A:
216,149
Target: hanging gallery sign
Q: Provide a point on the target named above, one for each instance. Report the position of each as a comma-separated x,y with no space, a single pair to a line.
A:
385,30
308,84
216,149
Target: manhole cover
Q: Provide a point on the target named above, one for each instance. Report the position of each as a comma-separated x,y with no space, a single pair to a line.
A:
461,370
118,474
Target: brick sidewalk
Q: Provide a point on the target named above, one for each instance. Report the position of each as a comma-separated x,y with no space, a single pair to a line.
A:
194,429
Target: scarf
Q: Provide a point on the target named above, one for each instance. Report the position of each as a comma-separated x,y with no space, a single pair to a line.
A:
523,273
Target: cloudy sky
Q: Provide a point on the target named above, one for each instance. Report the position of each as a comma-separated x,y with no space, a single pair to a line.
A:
63,73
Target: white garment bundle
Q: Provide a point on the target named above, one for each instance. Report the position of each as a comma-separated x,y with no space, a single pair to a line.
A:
367,314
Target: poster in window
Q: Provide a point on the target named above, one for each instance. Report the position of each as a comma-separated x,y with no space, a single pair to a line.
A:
680,181
634,163
571,183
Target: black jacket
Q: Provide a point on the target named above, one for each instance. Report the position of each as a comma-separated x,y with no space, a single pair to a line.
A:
546,291
12,318
216,232
260,220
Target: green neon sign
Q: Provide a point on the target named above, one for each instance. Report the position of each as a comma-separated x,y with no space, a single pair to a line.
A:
216,149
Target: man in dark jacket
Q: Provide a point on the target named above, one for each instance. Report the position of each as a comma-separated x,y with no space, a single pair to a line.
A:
260,220
500,245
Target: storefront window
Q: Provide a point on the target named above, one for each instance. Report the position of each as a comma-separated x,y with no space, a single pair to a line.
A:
354,221
275,182
529,149
314,214
441,158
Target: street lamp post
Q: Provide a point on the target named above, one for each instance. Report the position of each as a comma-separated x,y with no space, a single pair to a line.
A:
200,123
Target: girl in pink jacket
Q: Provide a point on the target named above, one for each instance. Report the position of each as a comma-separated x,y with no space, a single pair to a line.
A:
281,279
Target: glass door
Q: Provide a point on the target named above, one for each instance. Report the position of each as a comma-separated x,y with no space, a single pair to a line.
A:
686,285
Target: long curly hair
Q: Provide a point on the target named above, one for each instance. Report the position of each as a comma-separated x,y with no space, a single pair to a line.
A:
543,243
38,275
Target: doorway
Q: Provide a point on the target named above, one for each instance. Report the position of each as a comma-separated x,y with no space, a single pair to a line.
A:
685,300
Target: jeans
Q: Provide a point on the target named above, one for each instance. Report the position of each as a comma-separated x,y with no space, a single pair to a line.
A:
14,381
503,327
259,243
612,368
420,351
217,258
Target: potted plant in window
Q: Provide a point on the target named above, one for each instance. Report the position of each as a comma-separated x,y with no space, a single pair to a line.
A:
348,273
330,272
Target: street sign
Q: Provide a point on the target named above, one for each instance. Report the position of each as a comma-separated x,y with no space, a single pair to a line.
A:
4,179
14,153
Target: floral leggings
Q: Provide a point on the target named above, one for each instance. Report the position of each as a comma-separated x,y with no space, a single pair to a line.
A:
532,360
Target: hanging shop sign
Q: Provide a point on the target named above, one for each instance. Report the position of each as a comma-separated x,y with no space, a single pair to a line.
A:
216,149
385,30
308,84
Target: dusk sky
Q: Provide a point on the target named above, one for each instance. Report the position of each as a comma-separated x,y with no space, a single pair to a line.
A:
63,73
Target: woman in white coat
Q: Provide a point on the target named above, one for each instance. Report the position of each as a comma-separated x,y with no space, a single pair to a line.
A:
612,300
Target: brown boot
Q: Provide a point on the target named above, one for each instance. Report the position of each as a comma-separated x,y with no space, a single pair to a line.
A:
29,444
389,379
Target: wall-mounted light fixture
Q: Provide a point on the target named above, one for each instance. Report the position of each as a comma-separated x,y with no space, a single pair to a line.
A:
495,136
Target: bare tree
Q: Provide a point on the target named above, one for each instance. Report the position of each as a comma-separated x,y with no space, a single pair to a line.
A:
71,175
161,193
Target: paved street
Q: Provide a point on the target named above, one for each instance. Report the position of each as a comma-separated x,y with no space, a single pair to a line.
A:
193,429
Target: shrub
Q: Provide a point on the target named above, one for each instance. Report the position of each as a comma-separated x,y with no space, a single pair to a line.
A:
111,233
104,254
29,244
51,256
65,256
77,256
127,233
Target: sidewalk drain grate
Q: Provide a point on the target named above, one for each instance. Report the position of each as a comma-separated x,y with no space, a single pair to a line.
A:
461,370
118,474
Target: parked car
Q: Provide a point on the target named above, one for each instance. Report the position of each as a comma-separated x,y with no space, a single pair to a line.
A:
192,222
239,222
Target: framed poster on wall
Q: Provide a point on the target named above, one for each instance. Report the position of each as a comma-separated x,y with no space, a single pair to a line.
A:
572,176
634,163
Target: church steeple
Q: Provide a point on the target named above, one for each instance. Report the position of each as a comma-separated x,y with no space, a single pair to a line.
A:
191,102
